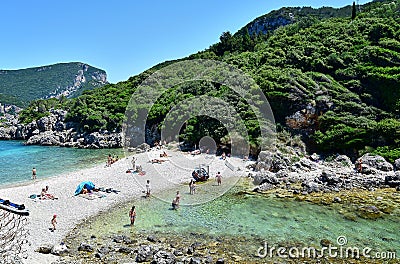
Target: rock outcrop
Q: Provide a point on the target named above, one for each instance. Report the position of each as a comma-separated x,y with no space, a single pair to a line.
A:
52,130
314,174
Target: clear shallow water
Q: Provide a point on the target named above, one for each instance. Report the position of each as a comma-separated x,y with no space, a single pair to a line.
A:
17,160
257,218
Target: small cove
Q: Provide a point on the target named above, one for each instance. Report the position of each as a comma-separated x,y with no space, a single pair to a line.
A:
251,218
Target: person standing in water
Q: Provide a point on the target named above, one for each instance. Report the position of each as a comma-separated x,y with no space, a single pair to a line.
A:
132,215
34,173
176,200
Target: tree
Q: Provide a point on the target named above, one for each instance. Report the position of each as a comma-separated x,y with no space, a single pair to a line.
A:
353,11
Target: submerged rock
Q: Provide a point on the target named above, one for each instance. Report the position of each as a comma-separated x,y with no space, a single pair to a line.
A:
163,257
85,247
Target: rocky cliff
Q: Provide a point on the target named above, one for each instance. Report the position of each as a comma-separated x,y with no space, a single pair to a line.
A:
52,130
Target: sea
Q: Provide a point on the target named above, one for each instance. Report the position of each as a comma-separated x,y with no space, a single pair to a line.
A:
17,160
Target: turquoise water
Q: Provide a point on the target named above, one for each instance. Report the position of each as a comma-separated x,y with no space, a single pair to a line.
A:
257,218
17,160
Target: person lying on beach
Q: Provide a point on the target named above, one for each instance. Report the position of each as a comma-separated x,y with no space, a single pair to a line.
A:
159,161
44,195
196,152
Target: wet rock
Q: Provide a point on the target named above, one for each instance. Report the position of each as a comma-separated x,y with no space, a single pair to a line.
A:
145,254
337,200
220,261
103,250
152,238
125,250
85,247
208,260
122,239
195,261
163,257
190,250
178,252
264,187
398,188
369,212
44,249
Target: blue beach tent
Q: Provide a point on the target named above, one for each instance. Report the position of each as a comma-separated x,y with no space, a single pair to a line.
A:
86,184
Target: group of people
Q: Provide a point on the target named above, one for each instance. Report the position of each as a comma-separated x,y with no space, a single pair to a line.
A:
111,160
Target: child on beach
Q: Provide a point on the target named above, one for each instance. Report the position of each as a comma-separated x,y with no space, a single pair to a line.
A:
192,187
54,222
132,215
219,178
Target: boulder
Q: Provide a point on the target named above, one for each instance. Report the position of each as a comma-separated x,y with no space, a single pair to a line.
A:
163,257
60,249
44,249
330,178
145,254
85,247
397,165
376,162
264,177
343,161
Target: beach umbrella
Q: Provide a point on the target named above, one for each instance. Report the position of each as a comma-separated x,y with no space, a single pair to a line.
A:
85,184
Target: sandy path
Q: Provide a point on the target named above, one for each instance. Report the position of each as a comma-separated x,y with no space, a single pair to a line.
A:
71,210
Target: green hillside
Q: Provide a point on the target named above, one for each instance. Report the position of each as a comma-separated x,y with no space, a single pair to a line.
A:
19,87
346,70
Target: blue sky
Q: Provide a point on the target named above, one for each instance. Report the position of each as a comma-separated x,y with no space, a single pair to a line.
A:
123,37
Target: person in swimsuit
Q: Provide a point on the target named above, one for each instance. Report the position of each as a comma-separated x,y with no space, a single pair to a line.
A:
33,173
54,222
175,201
148,188
219,178
132,215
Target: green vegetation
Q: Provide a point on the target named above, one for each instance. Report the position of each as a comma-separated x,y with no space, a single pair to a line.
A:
19,87
347,67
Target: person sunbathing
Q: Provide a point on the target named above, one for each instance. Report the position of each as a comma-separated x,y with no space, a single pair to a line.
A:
44,195
157,161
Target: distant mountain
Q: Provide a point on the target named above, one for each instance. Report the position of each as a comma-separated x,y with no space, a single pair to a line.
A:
19,87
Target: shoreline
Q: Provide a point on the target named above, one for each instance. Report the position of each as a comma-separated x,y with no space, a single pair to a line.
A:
73,210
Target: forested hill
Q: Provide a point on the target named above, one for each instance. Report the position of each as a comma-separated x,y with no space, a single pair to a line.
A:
19,87
334,81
